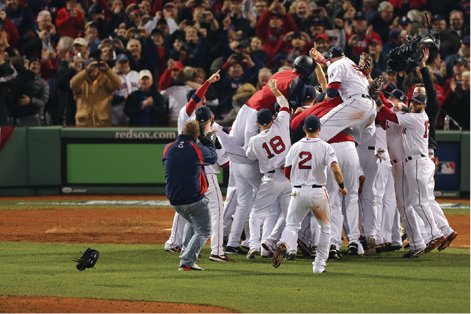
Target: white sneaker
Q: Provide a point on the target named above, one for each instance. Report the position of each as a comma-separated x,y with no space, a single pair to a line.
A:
252,253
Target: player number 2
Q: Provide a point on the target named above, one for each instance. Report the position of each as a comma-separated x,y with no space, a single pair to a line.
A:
427,127
277,144
307,156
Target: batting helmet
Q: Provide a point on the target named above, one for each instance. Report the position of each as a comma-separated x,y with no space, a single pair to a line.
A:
304,64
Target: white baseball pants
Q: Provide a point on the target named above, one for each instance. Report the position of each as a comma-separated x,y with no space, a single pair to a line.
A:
385,203
176,236
216,208
230,203
367,198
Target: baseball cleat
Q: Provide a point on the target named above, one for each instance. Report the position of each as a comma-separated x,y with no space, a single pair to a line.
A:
252,253
224,240
407,246
220,258
319,270
174,249
313,250
370,246
291,256
268,249
278,257
393,248
304,248
448,241
333,253
352,249
434,243
235,250
414,253
189,267
363,242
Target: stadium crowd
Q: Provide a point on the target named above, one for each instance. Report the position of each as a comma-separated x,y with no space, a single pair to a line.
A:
132,62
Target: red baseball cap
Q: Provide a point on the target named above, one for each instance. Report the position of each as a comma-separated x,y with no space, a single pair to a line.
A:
178,65
322,36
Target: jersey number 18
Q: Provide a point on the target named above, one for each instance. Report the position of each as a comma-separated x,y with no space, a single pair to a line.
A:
276,144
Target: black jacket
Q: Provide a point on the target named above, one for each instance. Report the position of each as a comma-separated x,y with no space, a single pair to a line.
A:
457,105
433,106
132,107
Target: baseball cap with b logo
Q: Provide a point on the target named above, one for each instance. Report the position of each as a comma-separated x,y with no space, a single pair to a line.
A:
312,123
264,116
203,114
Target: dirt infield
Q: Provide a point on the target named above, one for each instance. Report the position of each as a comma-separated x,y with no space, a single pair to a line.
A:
18,304
120,225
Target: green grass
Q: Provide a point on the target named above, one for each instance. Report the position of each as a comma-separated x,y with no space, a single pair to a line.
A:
435,282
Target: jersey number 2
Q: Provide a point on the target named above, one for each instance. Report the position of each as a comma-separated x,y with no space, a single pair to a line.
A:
427,127
307,156
277,144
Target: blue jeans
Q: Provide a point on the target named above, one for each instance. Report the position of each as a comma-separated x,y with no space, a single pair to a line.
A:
197,229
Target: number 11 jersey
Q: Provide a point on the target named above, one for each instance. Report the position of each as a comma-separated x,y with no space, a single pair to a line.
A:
309,159
271,146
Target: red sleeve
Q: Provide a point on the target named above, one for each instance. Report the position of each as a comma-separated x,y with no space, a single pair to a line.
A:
389,115
297,120
12,31
64,20
157,6
376,36
62,16
382,121
397,4
225,66
191,105
289,23
386,102
334,85
225,165
262,26
165,80
108,12
287,172
284,109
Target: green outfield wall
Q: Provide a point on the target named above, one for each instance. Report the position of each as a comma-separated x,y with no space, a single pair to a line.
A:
57,160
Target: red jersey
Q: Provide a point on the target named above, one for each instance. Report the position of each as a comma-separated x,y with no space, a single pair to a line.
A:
288,83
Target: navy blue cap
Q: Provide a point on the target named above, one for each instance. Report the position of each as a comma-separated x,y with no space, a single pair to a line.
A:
394,33
312,123
33,59
190,93
359,15
462,61
388,88
90,60
336,52
399,94
310,93
203,114
420,98
317,20
438,17
264,116
465,40
122,57
320,98
404,21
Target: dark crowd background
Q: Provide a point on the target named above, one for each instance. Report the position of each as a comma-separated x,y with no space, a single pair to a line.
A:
132,62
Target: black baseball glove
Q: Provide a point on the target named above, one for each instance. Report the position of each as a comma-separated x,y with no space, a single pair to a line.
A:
365,63
210,138
88,259
376,87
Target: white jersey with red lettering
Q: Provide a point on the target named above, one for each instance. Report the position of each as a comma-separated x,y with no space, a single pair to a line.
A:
351,78
415,132
183,118
309,159
271,146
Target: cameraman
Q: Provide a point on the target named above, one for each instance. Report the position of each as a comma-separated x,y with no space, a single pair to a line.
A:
93,88
430,91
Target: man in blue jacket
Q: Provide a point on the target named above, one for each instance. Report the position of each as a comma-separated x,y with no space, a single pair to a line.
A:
186,183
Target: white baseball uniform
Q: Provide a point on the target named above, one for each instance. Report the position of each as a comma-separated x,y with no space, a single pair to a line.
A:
418,168
367,199
129,84
309,159
270,148
357,110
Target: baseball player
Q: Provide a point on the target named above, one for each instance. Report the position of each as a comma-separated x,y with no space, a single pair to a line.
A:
418,169
204,117
347,80
306,165
269,147
196,99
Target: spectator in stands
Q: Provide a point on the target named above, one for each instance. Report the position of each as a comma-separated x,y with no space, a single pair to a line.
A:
129,83
237,20
22,18
96,15
172,75
170,16
92,88
390,76
379,60
449,42
70,20
457,104
258,55
13,36
138,61
463,53
382,22
457,25
322,43
242,95
28,93
416,21
358,37
369,8
91,36
396,38
45,36
263,77
317,27
273,25
303,15
145,106
53,6
405,24
437,67
297,42
259,7
80,46
234,73
460,66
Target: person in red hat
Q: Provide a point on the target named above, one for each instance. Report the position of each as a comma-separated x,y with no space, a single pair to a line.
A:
171,74
359,36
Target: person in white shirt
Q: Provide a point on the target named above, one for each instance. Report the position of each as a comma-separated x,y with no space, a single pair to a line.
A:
129,83
306,166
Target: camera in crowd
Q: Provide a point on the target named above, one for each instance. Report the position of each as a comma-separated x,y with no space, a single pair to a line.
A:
407,57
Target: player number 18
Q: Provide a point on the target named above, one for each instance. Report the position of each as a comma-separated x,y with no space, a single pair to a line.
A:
276,144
